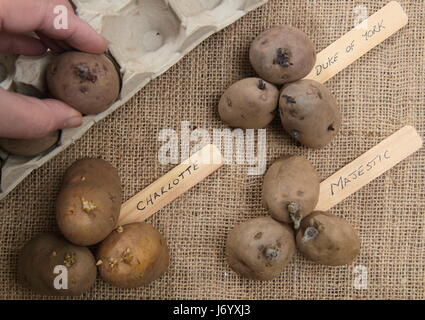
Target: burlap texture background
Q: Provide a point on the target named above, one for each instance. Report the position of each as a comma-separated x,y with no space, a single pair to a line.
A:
378,94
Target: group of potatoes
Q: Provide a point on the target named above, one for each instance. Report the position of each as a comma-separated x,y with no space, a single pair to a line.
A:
87,212
90,83
88,205
260,248
308,111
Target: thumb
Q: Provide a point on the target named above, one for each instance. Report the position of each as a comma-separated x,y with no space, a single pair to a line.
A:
23,117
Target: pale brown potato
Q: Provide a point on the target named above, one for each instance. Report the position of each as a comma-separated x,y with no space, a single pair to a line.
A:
88,82
282,54
89,203
29,147
249,104
291,189
327,239
133,255
260,248
46,251
90,170
309,113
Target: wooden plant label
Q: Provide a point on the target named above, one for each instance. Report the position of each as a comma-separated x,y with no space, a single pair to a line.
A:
170,186
350,47
368,166
333,190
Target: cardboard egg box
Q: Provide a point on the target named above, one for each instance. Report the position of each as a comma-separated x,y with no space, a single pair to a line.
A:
146,38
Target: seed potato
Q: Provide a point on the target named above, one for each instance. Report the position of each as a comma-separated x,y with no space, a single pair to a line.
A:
327,239
133,255
249,104
89,170
89,203
282,54
88,82
309,113
29,147
46,251
291,189
260,248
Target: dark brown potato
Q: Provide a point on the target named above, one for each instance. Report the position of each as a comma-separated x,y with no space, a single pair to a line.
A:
132,256
249,104
328,239
88,82
291,189
260,248
29,147
282,54
46,251
309,113
89,203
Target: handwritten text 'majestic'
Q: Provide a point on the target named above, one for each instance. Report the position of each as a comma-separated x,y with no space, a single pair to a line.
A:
343,181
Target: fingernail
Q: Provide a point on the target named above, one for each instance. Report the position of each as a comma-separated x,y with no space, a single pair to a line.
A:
73,122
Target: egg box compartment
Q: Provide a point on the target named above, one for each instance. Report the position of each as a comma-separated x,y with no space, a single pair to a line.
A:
146,38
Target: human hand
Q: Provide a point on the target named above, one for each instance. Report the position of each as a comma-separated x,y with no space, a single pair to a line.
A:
27,117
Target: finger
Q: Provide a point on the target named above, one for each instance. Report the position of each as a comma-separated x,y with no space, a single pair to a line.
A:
27,117
43,18
21,44
79,35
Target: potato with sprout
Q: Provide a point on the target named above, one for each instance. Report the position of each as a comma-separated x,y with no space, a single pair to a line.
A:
291,189
282,54
249,104
260,248
89,203
327,239
133,255
44,260
309,113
